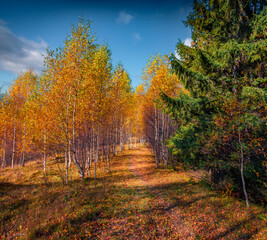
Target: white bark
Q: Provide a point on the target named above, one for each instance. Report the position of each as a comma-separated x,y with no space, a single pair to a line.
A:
44,153
13,146
74,143
156,138
4,149
242,168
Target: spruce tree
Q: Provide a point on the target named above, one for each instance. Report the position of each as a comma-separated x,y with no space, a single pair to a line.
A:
223,118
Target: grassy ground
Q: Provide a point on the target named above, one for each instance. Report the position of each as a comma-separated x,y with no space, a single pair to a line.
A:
134,201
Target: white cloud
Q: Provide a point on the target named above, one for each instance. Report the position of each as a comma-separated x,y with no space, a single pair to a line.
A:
188,42
177,55
18,53
137,36
2,22
124,18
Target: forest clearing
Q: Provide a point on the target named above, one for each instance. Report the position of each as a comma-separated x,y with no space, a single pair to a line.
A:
134,201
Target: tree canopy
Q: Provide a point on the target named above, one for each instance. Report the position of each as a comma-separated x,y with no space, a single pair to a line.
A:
223,118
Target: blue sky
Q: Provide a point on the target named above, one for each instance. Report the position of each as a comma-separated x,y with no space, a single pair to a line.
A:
133,30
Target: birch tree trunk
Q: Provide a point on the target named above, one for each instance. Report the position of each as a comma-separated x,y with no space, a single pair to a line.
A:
69,153
23,146
87,158
91,152
131,145
136,129
116,136
67,164
74,142
156,138
163,140
13,146
44,153
4,149
121,137
108,151
242,168
97,151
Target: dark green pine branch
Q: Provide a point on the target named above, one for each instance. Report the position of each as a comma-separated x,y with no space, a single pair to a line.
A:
195,82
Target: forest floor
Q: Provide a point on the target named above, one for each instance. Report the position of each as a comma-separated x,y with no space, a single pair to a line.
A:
133,201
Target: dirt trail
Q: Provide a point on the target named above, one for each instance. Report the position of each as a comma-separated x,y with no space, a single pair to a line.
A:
155,216
164,204
133,201
142,165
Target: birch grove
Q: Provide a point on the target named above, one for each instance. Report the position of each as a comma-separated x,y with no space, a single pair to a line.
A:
78,110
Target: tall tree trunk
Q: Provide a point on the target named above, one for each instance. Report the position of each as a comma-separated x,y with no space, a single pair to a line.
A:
103,152
91,152
116,136
108,150
162,148
121,137
108,159
166,136
4,149
97,150
136,129
69,153
242,168
66,164
87,158
131,145
13,145
44,153
23,158
23,146
156,138
74,142
68,143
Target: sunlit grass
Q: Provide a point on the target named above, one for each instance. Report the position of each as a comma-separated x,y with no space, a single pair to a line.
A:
134,201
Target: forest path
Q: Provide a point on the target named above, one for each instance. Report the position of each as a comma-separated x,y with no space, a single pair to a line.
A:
166,204
167,219
133,201
150,213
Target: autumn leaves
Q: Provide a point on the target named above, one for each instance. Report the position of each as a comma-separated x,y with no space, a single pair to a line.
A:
79,109
157,124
